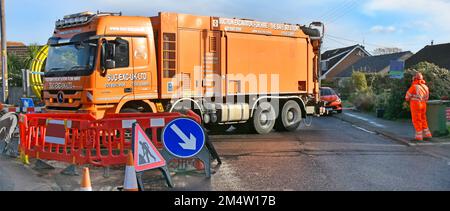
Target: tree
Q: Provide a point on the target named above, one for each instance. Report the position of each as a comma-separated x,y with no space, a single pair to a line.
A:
16,64
383,51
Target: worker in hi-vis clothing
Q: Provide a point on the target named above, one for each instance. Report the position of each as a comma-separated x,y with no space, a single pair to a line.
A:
418,96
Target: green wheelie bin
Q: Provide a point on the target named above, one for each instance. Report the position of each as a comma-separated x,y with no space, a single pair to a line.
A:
437,117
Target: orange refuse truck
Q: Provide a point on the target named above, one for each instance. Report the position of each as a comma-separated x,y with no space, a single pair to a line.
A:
230,71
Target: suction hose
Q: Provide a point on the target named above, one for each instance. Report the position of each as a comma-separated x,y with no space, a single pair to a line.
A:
37,70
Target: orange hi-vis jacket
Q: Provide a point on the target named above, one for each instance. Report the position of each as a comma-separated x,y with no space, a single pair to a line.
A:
418,96
418,92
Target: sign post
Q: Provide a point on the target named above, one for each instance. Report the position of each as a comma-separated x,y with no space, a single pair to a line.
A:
147,157
184,138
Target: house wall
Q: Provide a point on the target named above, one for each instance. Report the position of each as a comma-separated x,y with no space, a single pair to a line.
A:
20,51
354,56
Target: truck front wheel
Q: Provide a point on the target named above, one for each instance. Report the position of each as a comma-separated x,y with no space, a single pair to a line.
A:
290,117
264,118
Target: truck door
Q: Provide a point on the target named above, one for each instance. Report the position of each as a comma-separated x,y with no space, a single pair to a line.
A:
190,63
143,86
212,81
117,83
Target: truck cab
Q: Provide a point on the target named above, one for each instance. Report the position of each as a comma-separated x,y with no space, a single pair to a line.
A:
100,63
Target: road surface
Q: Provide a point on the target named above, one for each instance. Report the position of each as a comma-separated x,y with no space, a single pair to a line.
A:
330,155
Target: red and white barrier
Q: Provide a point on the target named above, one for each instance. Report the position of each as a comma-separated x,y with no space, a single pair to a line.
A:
28,110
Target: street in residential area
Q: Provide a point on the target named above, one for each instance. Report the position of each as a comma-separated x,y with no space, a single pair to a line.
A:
203,95
331,155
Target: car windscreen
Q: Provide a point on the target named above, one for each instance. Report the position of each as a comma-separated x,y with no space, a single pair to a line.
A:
326,92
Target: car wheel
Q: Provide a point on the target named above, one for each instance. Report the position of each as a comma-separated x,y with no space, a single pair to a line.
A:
264,118
290,117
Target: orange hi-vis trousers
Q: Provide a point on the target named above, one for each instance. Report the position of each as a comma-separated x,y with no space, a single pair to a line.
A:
419,118
418,96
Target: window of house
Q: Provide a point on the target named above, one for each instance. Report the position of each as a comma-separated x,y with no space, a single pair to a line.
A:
324,65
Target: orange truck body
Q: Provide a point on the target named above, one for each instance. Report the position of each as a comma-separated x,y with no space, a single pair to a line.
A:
171,59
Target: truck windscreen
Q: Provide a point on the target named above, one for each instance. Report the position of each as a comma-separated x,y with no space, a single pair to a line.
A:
73,59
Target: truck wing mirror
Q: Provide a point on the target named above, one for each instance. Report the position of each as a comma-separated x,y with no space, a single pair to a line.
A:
110,64
107,56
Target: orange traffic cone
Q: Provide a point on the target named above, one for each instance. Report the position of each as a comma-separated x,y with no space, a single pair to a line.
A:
130,183
86,180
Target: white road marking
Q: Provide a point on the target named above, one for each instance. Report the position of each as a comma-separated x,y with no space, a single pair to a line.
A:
360,128
365,119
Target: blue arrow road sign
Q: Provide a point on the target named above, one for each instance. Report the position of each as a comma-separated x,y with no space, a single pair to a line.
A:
183,138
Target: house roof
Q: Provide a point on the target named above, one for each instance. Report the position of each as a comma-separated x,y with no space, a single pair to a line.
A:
334,57
14,44
331,53
437,54
374,64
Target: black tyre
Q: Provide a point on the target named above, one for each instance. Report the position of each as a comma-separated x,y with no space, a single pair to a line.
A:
264,118
290,117
339,111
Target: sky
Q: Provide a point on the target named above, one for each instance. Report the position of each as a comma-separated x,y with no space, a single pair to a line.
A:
405,24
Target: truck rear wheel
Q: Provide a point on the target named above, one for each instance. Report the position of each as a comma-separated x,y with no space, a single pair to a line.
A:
264,118
290,117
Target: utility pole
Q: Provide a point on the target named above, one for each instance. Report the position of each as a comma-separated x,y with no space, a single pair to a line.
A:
4,53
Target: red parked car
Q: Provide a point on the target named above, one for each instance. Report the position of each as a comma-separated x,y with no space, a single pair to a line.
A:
332,100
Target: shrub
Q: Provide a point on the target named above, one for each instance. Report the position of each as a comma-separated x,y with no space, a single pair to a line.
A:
363,97
359,81
345,88
438,80
381,100
363,100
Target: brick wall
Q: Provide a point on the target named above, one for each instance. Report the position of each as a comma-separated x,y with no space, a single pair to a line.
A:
20,51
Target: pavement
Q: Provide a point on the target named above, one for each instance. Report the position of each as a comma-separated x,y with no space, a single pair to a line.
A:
17,177
331,155
401,131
